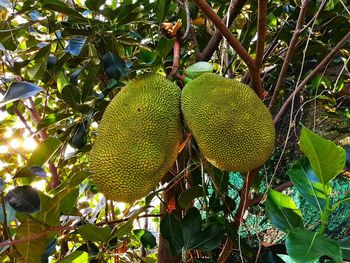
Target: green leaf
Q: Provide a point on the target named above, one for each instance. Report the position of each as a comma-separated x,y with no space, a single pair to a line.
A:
72,96
89,82
62,81
61,7
327,160
146,238
79,136
161,8
19,90
191,225
38,65
113,65
125,228
344,244
93,233
170,229
186,197
94,5
165,45
44,151
210,237
76,257
308,184
51,119
49,210
75,45
306,246
33,171
32,250
24,199
10,214
282,211
197,69
69,201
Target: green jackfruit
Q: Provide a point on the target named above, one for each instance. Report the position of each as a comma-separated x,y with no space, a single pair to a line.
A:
138,139
233,128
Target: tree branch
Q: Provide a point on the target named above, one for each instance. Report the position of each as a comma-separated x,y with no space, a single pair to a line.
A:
309,77
290,52
217,36
235,44
217,21
64,228
243,205
262,12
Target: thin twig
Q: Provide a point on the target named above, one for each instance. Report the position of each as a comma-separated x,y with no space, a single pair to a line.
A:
309,77
290,52
214,41
184,5
262,13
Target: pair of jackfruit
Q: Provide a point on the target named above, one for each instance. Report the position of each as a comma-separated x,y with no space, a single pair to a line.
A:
140,131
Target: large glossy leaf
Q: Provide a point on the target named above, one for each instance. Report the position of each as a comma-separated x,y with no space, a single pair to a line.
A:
32,250
308,184
344,244
10,214
51,119
191,225
38,64
24,199
165,45
306,246
61,7
20,90
198,69
89,82
113,65
186,197
282,211
146,238
210,237
327,160
49,210
162,9
125,228
44,151
93,233
170,229
76,257
75,45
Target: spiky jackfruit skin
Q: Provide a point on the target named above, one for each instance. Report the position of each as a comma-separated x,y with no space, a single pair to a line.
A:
233,128
138,139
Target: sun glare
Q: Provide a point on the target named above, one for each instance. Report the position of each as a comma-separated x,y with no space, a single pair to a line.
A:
3,149
29,144
15,143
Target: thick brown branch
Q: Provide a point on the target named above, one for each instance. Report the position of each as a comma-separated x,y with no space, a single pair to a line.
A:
176,59
290,52
261,32
235,44
217,21
214,41
309,77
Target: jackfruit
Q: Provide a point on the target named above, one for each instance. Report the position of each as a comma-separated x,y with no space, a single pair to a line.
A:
138,139
231,125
